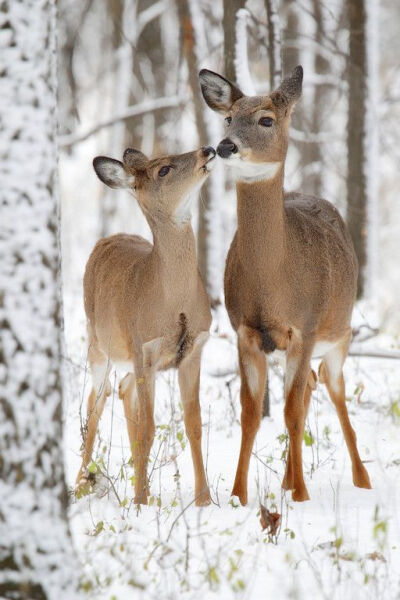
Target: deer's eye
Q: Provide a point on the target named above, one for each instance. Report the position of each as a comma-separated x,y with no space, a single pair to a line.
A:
228,120
164,171
266,121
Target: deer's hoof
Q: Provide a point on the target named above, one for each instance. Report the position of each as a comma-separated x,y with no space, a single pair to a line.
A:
203,498
241,493
287,483
300,494
361,478
140,499
84,485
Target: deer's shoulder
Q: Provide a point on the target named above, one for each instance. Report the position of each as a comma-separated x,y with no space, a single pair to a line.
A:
312,207
315,215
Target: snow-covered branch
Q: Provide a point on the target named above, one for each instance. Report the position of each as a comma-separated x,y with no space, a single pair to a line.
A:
274,42
149,14
243,76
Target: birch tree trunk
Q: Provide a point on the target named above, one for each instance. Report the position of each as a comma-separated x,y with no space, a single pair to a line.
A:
36,557
356,136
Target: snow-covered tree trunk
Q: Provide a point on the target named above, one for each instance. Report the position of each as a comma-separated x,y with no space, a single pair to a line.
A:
36,556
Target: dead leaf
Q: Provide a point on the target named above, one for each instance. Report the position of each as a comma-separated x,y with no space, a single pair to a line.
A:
376,556
269,520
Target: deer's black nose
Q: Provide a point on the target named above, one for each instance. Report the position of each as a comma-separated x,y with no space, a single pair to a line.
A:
208,150
226,148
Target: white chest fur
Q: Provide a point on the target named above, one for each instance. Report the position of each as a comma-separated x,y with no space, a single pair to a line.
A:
249,172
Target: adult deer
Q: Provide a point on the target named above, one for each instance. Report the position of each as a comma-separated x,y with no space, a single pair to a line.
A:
146,306
290,278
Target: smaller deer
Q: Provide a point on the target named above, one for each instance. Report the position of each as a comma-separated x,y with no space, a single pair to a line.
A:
146,306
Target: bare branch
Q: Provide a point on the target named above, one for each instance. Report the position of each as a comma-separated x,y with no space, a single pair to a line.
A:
390,354
65,141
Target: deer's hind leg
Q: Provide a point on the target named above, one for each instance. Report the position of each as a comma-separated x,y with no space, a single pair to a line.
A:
253,374
140,426
137,393
100,369
331,373
189,381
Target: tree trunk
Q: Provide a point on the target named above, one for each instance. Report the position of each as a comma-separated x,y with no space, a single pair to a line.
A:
229,23
36,557
123,15
211,192
274,43
313,159
356,135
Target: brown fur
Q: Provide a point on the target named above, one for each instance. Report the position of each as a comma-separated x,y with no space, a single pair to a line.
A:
146,305
290,278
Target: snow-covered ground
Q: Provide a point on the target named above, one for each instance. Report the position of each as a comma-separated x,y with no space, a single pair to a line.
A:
344,543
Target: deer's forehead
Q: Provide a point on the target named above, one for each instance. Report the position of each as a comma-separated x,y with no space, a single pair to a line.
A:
247,106
171,159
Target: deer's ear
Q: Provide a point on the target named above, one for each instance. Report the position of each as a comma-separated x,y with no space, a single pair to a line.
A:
218,92
290,89
134,159
112,172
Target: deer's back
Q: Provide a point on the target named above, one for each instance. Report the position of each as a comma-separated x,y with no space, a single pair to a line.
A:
319,242
109,264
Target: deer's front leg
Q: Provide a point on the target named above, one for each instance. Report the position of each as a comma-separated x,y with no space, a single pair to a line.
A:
253,373
297,397
100,369
189,381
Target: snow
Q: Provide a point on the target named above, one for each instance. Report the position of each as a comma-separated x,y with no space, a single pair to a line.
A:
344,542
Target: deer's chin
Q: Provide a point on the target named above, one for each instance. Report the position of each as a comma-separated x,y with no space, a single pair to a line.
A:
248,171
208,166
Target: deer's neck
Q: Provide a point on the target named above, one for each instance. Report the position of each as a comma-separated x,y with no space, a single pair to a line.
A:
174,254
261,233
